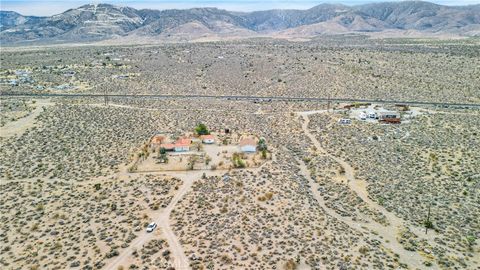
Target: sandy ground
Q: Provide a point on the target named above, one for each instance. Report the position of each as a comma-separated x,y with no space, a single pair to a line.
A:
388,233
164,230
21,125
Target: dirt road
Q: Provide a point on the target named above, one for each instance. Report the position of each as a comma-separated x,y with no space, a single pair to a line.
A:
21,125
388,233
164,230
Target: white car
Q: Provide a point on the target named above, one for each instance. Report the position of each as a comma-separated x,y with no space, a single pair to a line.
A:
151,227
345,121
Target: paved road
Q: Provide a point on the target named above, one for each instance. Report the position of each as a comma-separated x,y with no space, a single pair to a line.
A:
262,98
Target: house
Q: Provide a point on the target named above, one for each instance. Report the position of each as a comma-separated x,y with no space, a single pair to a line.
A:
389,117
208,139
248,145
182,145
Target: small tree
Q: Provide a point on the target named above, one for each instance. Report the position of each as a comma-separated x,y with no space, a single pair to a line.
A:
264,154
238,161
262,145
191,162
201,129
471,241
198,146
97,186
163,157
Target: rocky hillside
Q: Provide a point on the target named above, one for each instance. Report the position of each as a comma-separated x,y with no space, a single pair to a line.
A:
10,19
103,21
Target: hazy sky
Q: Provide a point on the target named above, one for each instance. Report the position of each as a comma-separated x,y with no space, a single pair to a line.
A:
50,7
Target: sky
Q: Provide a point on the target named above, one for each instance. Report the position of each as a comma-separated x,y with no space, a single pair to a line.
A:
51,7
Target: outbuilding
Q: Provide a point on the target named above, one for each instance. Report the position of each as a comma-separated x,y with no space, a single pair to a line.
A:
208,139
389,117
248,145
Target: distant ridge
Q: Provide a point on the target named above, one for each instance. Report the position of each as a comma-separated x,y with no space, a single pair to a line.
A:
98,22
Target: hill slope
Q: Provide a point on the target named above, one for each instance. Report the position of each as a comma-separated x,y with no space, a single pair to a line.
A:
104,21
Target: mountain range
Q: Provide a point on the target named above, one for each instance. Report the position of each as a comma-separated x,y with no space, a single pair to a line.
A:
97,22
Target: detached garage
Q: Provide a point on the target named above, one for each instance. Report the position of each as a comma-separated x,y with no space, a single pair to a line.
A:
248,145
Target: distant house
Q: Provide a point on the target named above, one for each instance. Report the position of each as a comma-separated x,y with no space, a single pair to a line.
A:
389,117
248,145
208,139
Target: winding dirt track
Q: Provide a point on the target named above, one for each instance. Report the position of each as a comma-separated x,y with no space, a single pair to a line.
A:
21,125
388,233
180,260
164,229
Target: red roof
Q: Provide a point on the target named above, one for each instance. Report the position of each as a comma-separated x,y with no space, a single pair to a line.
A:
207,137
167,145
247,141
181,144
183,141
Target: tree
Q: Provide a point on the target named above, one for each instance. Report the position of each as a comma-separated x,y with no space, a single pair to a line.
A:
471,241
262,144
198,146
264,154
201,129
97,186
163,157
191,162
238,161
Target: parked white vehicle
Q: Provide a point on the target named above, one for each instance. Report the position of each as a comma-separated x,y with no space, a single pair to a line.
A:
151,227
345,121
363,116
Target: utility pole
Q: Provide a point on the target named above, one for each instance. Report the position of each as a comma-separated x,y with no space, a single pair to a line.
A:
427,223
105,97
329,96
105,94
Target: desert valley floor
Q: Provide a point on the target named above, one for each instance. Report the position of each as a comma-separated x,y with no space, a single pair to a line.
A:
81,178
